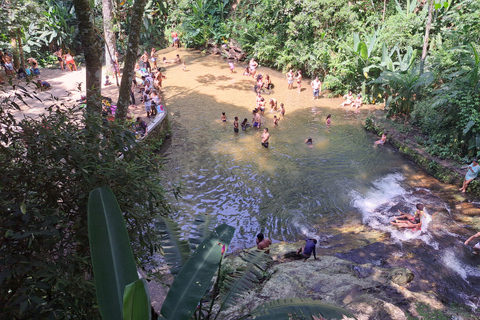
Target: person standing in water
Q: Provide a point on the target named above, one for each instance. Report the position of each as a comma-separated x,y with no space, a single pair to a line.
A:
235,125
309,248
223,117
265,137
290,77
263,243
406,220
476,248
253,65
275,120
282,109
299,81
245,124
328,121
472,172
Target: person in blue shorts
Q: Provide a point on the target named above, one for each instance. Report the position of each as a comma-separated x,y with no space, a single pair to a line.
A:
472,172
309,248
382,140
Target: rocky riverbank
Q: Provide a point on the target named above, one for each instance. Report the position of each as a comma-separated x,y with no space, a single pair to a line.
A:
444,170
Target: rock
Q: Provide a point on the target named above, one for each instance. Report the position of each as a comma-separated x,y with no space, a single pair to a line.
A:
401,276
362,272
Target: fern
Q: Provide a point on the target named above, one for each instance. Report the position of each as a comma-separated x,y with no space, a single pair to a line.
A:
244,279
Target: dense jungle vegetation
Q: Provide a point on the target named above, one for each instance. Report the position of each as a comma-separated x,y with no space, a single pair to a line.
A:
48,168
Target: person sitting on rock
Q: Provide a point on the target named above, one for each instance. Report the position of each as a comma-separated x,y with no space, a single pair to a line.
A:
309,248
476,248
263,243
406,220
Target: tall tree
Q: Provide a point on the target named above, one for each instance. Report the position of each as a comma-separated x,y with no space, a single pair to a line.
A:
130,59
110,41
93,54
427,35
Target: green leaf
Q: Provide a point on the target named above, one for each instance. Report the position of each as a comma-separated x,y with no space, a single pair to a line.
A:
469,126
112,257
363,51
304,308
175,251
136,301
240,282
193,280
203,225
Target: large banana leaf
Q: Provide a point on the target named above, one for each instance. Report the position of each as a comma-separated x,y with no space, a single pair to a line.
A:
136,301
112,257
175,251
301,308
239,283
192,282
202,226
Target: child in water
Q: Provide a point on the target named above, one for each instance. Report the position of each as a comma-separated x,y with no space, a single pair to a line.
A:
382,140
245,124
223,117
275,120
184,66
282,109
328,120
231,65
406,220
235,125
309,141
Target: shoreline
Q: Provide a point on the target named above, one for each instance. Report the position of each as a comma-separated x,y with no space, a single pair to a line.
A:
444,170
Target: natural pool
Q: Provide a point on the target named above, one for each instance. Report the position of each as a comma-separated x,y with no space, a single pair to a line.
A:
342,190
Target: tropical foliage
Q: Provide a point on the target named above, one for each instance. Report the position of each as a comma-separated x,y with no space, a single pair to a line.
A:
116,277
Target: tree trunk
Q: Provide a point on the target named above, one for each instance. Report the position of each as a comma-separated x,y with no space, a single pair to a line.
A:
426,38
110,41
15,53
20,49
93,53
130,59
384,9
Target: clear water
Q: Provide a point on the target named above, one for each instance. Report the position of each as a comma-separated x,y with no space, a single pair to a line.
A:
290,190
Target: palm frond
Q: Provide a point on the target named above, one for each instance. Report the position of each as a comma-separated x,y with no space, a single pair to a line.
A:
176,251
202,226
240,282
301,308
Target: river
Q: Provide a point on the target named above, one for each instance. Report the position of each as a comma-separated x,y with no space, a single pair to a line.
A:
341,190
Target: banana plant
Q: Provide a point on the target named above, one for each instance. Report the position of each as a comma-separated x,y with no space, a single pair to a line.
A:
121,295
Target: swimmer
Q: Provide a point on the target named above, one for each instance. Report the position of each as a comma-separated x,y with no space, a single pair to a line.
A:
275,120
258,99
265,137
261,105
282,109
406,220
223,117
309,141
258,119
273,104
309,248
476,248
263,243
382,140
328,121
235,125
245,124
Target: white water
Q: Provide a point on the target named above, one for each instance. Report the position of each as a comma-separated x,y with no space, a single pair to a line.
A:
376,207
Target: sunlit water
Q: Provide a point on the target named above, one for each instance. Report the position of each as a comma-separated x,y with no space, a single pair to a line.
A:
290,190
